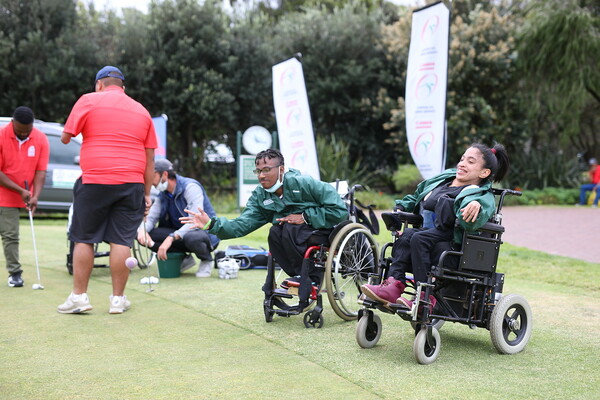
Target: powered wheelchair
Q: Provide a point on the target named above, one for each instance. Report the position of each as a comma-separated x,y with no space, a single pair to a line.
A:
341,259
465,285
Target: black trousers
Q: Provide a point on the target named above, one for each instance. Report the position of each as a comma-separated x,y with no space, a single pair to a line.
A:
287,244
196,241
413,252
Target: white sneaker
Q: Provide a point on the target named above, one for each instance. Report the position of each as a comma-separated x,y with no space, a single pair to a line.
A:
205,269
75,304
119,304
187,263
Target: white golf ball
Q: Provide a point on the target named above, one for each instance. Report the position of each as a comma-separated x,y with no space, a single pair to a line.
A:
36,286
131,262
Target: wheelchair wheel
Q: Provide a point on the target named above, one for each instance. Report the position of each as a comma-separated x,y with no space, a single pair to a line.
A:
426,352
511,324
313,319
368,334
353,255
143,255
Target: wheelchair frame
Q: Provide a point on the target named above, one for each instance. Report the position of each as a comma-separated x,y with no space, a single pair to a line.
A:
143,258
345,260
470,293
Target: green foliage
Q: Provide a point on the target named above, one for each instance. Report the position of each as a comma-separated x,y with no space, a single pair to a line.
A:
335,162
41,66
482,80
210,72
190,47
542,167
558,54
549,195
406,178
380,200
343,73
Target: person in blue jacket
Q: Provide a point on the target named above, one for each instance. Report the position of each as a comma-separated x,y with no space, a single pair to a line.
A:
460,199
163,231
296,205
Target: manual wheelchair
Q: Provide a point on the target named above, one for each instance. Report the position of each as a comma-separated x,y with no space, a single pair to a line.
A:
342,258
143,256
466,286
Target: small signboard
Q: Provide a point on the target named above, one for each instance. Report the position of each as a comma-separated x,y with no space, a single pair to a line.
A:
247,179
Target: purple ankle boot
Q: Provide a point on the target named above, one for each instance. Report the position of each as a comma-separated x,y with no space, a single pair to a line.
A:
387,292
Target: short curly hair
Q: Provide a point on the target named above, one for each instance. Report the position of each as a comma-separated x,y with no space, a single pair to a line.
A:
270,154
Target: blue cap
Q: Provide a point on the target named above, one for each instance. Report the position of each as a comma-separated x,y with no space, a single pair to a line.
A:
110,71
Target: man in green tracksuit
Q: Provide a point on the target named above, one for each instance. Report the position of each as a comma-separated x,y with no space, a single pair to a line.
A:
297,205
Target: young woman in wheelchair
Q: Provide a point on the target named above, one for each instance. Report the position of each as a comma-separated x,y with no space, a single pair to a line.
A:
460,199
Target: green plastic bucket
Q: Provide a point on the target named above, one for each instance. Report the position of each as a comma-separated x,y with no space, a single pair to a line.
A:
171,267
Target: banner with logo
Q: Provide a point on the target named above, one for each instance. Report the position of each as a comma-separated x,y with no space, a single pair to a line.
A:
160,126
294,124
426,79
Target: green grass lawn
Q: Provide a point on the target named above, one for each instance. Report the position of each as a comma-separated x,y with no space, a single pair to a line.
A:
207,339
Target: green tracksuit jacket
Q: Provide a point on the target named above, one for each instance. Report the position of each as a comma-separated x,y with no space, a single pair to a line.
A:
321,204
482,194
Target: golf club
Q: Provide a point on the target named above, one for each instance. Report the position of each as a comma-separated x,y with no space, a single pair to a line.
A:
35,286
146,250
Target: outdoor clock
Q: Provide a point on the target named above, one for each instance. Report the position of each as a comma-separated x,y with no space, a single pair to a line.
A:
256,139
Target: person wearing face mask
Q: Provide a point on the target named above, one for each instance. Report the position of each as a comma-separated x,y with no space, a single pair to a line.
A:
296,205
461,199
163,232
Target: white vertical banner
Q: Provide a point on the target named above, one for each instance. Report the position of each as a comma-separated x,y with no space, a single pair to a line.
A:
426,81
294,125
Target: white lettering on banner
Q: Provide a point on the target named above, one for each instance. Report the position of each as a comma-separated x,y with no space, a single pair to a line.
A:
292,113
426,79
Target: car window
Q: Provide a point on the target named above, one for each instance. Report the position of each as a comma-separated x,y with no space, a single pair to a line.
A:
61,153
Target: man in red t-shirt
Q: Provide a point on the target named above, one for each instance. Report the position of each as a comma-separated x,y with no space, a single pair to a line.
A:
24,152
594,185
113,192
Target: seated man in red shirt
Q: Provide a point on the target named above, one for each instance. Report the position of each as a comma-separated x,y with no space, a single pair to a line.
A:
113,192
594,184
24,152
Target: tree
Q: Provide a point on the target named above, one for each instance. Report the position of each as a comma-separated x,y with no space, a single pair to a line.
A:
482,99
342,65
558,53
40,65
188,52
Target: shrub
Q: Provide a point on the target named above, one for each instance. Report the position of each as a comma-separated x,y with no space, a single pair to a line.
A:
549,195
335,162
406,178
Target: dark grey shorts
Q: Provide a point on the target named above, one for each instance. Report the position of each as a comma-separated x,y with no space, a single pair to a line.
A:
106,213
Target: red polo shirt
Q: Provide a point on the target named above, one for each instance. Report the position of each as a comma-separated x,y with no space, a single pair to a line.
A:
116,131
20,160
595,175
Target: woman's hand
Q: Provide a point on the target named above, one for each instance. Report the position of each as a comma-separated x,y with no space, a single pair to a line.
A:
471,211
199,219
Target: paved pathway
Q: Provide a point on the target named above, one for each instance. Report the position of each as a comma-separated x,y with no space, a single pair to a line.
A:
566,231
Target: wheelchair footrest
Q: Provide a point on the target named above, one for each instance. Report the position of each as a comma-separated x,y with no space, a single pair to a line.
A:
285,293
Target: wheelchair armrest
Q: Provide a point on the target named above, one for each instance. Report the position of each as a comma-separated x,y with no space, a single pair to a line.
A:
394,221
492,228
